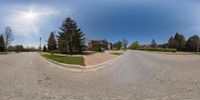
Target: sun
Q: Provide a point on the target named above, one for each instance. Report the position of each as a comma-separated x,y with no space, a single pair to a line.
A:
30,16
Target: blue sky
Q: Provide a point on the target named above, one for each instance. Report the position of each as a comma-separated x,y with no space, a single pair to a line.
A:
135,20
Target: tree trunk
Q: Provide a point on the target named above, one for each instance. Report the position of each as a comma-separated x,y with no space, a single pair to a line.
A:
71,52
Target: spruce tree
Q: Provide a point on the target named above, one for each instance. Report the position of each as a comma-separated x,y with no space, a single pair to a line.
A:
2,44
181,41
52,42
44,48
70,38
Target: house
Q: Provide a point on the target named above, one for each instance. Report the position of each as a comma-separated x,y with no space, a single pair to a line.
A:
146,46
104,45
149,46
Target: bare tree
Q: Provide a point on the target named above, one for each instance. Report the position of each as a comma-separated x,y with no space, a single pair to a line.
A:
125,43
8,37
153,43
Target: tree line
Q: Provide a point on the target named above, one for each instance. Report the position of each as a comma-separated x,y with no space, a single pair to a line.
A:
21,48
6,40
178,42
181,44
121,44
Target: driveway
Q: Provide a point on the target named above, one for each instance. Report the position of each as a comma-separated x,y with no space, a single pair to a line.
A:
136,76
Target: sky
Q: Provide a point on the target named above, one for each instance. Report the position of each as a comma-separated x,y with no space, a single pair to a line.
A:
134,20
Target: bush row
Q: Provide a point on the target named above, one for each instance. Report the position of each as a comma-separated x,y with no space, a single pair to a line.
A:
158,49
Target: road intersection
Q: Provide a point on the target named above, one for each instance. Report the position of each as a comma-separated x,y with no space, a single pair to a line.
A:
136,76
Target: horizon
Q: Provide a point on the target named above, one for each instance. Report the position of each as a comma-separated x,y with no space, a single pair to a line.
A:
113,20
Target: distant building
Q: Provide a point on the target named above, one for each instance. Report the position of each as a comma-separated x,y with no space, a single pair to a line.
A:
103,44
149,46
146,46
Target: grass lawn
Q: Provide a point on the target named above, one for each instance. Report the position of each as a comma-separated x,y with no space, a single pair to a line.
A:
65,59
116,53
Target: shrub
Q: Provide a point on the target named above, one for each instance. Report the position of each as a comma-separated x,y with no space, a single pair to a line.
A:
159,49
96,47
134,45
55,51
2,49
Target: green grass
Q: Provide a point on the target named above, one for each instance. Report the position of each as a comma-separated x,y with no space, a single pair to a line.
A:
116,53
65,59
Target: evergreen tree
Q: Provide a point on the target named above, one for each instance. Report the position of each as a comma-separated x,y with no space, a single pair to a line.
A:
165,45
193,43
2,44
172,43
44,48
70,38
52,42
181,41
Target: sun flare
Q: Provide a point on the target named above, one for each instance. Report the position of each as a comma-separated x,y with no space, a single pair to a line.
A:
27,21
30,16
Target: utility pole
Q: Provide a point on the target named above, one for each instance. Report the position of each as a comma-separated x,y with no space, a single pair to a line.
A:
198,46
40,45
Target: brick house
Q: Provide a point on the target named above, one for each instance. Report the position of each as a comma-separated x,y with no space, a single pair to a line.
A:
103,43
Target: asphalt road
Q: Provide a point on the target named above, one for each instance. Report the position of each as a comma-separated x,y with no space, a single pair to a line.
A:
136,76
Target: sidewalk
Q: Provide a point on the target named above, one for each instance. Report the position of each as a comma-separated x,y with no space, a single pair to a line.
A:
97,58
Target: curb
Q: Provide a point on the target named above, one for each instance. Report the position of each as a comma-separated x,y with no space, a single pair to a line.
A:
79,68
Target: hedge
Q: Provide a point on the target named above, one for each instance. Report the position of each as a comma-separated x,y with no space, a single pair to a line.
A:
96,48
159,49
